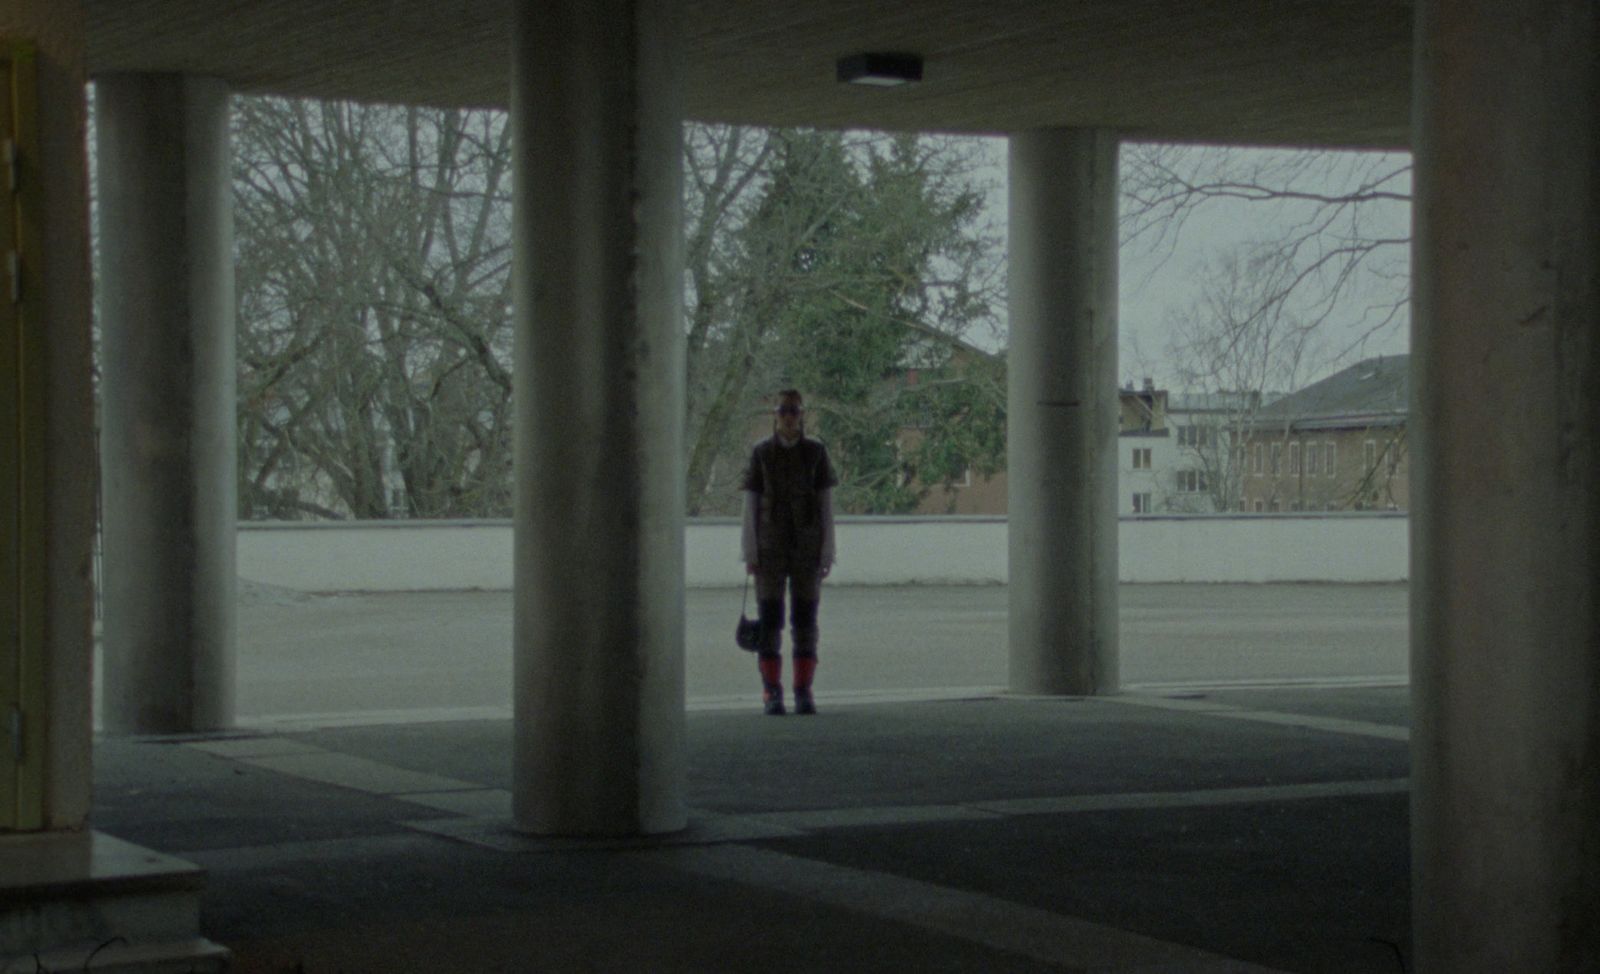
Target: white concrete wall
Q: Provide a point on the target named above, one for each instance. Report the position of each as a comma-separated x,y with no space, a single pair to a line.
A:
1265,548
422,555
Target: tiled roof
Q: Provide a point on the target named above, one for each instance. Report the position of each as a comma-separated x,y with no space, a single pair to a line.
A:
1375,391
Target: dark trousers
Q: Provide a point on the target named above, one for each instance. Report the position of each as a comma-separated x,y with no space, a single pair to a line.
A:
804,582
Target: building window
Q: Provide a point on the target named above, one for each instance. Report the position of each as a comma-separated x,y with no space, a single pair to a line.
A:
1294,459
1141,458
1256,461
1258,507
1191,481
1369,455
1330,454
1273,507
1313,459
1277,459
1392,451
1141,503
1194,436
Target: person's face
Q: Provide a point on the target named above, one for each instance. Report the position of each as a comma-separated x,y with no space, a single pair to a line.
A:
790,414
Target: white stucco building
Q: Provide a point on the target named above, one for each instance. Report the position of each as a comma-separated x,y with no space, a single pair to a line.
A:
1175,450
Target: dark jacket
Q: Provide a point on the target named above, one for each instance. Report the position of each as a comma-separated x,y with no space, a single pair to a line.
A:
789,481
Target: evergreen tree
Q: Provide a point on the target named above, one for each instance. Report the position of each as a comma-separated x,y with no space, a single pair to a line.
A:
877,298
375,328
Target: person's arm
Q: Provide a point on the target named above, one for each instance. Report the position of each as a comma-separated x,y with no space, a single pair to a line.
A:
747,537
753,485
825,499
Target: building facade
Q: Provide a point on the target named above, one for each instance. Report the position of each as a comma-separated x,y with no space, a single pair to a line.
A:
1337,445
1156,471
1145,449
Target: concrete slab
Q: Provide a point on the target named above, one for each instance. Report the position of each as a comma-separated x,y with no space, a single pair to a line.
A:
845,818
1192,799
255,747
90,901
357,774
67,864
1132,835
1318,886
227,866
194,955
1333,725
1065,941
1026,827
484,803
704,829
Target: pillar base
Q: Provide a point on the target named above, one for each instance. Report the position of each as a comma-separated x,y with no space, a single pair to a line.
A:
85,901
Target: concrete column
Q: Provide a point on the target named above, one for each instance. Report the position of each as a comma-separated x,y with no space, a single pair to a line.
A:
53,223
167,403
598,625
1505,533
1061,412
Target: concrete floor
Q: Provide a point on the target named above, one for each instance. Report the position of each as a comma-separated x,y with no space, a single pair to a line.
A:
1240,830
1243,808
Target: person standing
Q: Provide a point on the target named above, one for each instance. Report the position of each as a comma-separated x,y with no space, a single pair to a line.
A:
788,540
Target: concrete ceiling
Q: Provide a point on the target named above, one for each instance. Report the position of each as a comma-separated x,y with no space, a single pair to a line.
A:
1280,72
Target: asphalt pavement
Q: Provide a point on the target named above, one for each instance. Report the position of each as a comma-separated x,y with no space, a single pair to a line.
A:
440,655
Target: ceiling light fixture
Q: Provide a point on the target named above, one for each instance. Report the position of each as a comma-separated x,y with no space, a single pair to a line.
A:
882,70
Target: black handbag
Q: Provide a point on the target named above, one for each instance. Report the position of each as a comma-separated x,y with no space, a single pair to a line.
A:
747,634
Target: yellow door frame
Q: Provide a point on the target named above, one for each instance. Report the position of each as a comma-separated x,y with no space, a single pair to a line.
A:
23,699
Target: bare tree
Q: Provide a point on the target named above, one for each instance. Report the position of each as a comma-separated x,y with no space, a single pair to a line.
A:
374,297
1376,487
837,261
1336,224
1232,346
1327,273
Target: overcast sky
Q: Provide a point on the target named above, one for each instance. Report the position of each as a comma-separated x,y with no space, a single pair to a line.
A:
1152,286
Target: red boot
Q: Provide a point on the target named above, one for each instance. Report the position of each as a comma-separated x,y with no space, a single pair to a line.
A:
804,668
772,684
